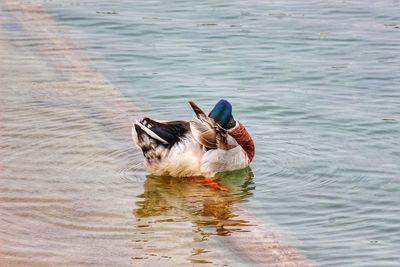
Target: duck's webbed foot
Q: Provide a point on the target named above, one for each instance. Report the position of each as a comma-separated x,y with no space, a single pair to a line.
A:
211,182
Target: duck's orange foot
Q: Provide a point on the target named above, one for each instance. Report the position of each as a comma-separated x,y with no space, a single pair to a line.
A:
211,183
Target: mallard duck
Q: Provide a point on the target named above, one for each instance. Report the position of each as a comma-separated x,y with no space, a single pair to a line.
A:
201,147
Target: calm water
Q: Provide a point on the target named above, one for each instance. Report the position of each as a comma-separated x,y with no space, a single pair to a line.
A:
316,83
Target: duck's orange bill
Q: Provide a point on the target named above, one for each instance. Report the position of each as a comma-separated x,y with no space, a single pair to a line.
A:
211,183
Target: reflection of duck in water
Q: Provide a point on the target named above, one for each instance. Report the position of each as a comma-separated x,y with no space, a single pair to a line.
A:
203,147
181,221
181,198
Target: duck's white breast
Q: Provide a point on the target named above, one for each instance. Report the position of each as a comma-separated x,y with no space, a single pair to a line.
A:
219,160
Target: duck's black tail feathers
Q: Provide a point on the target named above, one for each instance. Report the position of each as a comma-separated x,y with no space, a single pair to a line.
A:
148,134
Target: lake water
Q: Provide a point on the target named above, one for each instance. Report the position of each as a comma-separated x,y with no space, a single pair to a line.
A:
317,84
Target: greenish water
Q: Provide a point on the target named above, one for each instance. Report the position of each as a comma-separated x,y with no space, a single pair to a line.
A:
317,83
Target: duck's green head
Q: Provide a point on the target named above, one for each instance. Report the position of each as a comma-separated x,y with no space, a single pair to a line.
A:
222,114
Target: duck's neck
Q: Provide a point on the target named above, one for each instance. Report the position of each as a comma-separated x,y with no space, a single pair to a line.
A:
244,139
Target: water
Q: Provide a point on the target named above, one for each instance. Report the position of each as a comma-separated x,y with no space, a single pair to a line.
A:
317,85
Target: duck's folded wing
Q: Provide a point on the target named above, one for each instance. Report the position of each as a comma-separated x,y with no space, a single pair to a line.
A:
204,134
203,128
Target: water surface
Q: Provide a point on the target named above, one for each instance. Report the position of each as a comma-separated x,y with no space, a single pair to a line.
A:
317,85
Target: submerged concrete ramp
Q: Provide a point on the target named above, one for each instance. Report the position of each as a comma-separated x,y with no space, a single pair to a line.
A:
73,191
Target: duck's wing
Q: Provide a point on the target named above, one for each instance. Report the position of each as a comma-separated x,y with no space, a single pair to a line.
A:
206,131
203,134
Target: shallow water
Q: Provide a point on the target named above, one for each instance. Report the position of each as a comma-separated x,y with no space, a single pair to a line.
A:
316,83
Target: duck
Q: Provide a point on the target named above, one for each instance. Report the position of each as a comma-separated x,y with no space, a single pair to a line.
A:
202,147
